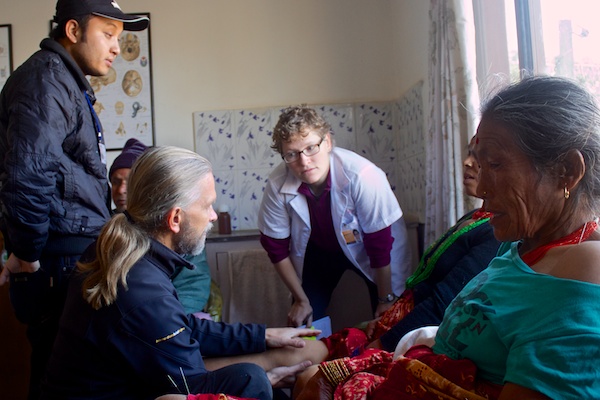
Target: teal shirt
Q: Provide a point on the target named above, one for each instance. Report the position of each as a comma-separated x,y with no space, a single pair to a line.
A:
531,329
193,285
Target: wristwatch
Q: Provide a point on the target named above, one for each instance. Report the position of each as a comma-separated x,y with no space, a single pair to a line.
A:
387,299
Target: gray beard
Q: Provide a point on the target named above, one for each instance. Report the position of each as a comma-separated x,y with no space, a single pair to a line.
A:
188,244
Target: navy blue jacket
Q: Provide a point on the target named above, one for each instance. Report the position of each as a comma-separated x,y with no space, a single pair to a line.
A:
53,183
128,350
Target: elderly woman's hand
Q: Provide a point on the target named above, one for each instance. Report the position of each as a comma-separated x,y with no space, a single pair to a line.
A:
370,328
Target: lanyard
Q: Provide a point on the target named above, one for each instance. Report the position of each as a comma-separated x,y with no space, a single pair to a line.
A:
98,126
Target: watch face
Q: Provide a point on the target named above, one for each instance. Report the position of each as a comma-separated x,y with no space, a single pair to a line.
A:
388,299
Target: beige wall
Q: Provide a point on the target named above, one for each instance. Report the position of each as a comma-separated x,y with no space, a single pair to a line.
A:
410,32
224,54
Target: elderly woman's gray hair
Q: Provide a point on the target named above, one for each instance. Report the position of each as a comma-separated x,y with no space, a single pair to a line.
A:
550,116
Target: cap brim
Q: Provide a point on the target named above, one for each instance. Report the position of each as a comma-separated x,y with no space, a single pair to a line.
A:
130,22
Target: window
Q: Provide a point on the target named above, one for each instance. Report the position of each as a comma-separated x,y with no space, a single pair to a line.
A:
552,37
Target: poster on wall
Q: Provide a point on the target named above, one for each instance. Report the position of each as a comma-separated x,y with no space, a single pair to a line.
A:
6,63
124,98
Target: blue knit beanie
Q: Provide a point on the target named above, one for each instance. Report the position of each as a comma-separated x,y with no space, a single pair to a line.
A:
132,150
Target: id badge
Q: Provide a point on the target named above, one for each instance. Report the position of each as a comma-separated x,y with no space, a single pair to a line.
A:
350,227
102,149
352,236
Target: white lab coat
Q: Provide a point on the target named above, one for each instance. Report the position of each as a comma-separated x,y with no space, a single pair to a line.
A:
361,200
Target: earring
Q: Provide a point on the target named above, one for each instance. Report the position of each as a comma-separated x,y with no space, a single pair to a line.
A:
567,193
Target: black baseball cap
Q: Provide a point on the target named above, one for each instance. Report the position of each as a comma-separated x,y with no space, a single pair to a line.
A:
67,9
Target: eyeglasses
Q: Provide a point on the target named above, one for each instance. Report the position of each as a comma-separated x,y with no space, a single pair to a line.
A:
311,150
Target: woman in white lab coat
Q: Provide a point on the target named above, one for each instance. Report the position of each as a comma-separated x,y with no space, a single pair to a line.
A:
326,210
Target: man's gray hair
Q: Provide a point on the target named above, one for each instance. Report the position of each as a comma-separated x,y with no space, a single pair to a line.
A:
162,178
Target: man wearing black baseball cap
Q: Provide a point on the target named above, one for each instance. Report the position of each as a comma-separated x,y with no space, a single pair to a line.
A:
54,193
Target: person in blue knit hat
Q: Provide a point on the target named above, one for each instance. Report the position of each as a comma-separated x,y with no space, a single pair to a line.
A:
119,172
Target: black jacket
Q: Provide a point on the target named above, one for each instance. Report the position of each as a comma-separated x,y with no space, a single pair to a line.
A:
132,348
53,183
466,257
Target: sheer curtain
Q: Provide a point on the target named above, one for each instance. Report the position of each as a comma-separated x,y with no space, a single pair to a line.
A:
454,102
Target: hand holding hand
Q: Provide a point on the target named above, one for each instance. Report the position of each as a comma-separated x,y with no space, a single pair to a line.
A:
281,337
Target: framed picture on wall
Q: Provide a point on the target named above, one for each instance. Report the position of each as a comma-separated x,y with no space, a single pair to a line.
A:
6,60
124,97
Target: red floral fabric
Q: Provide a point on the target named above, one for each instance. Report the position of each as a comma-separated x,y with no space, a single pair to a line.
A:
347,342
396,313
350,342
421,374
219,396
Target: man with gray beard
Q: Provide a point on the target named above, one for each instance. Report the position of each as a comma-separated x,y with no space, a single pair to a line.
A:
131,338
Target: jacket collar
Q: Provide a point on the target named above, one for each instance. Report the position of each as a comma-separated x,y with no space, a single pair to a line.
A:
165,258
55,47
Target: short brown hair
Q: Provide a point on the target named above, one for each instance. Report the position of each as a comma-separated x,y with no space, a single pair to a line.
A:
298,121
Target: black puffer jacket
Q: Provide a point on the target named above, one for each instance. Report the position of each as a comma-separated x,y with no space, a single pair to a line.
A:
53,182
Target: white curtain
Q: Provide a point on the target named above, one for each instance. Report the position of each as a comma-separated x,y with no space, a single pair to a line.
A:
454,104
